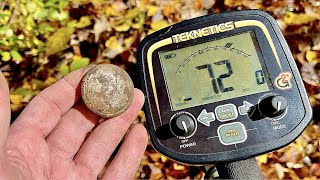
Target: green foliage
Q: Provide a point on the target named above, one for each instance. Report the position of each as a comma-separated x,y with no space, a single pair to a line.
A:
134,18
16,56
59,40
25,21
22,91
79,62
64,70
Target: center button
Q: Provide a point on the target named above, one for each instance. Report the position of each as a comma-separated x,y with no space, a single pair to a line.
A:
232,133
226,112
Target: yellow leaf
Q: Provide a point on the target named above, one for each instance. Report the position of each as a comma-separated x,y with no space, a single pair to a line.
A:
150,31
5,56
163,158
112,43
16,99
139,21
157,25
142,116
15,107
178,167
129,41
84,22
233,3
311,55
97,3
123,27
263,159
132,13
313,101
298,19
49,81
120,21
34,51
152,10
110,11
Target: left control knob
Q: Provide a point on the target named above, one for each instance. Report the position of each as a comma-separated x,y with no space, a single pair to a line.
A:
183,124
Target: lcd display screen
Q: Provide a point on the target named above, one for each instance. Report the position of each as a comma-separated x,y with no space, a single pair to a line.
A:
214,71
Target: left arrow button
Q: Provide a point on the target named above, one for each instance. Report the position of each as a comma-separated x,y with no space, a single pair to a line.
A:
206,117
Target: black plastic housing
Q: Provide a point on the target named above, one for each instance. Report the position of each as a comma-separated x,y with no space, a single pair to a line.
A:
296,118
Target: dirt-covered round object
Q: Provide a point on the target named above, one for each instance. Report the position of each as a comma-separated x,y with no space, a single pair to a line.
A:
107,90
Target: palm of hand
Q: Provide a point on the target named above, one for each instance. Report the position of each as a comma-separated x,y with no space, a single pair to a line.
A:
48,140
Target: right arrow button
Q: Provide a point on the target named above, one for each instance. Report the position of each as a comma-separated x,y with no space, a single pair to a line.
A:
206,117
244,109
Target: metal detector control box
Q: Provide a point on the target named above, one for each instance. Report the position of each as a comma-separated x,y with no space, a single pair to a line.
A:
221,87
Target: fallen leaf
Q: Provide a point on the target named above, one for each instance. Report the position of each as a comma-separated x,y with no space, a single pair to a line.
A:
311,55
280,170
79,62
58,41
157,25
167,10
315,169
84,22
5,56
21,91
15,55
132,13
310,74
64,70
124,26
100,26
178,167
152,10
297,19
112,43
110,11
197,4
16,99
49,81
262,159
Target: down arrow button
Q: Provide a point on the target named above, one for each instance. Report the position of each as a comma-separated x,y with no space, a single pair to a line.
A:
205,118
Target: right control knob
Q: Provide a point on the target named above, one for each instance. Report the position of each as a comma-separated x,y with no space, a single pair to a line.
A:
273,106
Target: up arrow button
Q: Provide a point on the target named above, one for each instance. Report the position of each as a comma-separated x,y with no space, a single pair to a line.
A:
205,118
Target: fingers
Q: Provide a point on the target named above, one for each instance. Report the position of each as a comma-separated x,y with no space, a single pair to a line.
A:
97,149
73,127
46,109
126,163
5,110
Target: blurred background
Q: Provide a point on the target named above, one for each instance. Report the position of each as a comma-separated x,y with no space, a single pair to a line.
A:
43,40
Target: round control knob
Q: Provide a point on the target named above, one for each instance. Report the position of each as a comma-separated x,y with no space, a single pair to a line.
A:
273,106
182,125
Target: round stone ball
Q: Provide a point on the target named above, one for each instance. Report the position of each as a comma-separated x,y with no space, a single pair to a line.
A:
107,90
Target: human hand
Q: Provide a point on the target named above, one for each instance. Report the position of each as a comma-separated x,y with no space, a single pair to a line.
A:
48,139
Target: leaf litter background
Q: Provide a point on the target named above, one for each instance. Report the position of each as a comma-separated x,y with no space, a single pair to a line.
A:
43,40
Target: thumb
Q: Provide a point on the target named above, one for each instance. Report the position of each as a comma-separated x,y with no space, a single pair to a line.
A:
4,110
